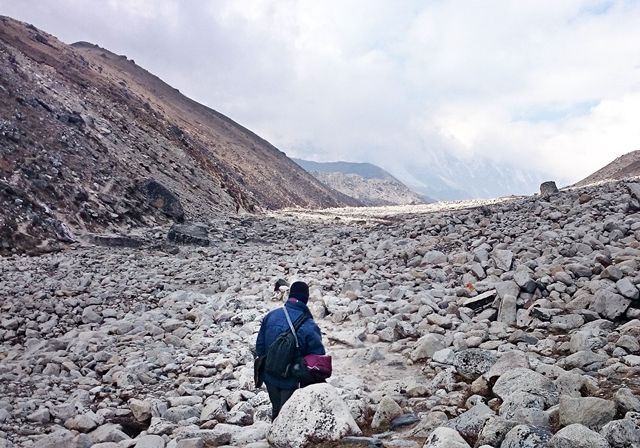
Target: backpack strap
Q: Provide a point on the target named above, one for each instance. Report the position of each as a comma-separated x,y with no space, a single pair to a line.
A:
294,328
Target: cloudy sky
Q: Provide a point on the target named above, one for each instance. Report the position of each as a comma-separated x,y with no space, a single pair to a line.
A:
546,85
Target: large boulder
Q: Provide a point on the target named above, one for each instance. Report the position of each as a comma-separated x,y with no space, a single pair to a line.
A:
445,438
525,380
193,234
160,197
312,415
591,412
577,436
548,189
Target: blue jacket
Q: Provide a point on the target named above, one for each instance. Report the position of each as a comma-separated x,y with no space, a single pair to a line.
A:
274,324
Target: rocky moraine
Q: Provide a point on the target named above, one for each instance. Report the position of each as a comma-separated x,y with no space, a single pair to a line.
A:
513,323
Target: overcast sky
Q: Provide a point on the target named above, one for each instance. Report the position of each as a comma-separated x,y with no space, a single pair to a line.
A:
551,85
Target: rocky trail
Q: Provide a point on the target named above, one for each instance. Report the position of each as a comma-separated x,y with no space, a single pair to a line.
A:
507,323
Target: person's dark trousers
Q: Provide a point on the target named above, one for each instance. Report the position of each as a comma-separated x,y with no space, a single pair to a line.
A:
278,398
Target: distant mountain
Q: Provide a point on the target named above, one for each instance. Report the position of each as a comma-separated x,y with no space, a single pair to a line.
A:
365,182
444,176
627,165
90,141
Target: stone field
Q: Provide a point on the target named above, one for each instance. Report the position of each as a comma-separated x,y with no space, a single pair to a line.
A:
507,323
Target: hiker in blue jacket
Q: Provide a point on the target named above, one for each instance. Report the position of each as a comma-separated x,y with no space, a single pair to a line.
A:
273,325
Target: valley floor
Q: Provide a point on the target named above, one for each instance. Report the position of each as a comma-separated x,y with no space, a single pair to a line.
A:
429,306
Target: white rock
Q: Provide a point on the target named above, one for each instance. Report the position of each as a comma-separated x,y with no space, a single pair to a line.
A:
313,413
426,346
149,441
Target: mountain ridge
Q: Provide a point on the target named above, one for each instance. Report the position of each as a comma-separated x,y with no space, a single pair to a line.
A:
366,182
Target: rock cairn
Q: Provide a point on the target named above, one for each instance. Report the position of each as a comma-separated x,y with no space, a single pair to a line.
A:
513,324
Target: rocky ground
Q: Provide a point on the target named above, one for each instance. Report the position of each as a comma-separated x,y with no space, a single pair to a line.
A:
510,323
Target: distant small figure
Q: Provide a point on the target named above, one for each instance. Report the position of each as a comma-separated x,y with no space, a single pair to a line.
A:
280,290
286,336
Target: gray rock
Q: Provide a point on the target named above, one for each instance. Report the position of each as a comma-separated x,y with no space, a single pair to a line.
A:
577,436
180,413
434,257
62,439
629,343
524,436
42,415
108,433
140,409
473,362
445,438
82,423
386,411
191,234
508,361
214,409
161,197
520,400
591,412
149,441
494,431
90,316
432,421
585,360
548,189
570,384
609,304
503,259
195,442
622,433
627,400
507,313
525,380
470,423
627,289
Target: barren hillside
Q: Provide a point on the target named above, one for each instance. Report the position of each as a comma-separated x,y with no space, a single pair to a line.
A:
627,165
92,142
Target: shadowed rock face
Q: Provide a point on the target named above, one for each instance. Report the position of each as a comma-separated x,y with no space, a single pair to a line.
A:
82,129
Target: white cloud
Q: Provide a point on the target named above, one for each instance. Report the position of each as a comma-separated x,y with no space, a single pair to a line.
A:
548,85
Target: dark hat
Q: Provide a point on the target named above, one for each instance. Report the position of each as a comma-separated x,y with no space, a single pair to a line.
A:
300,291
